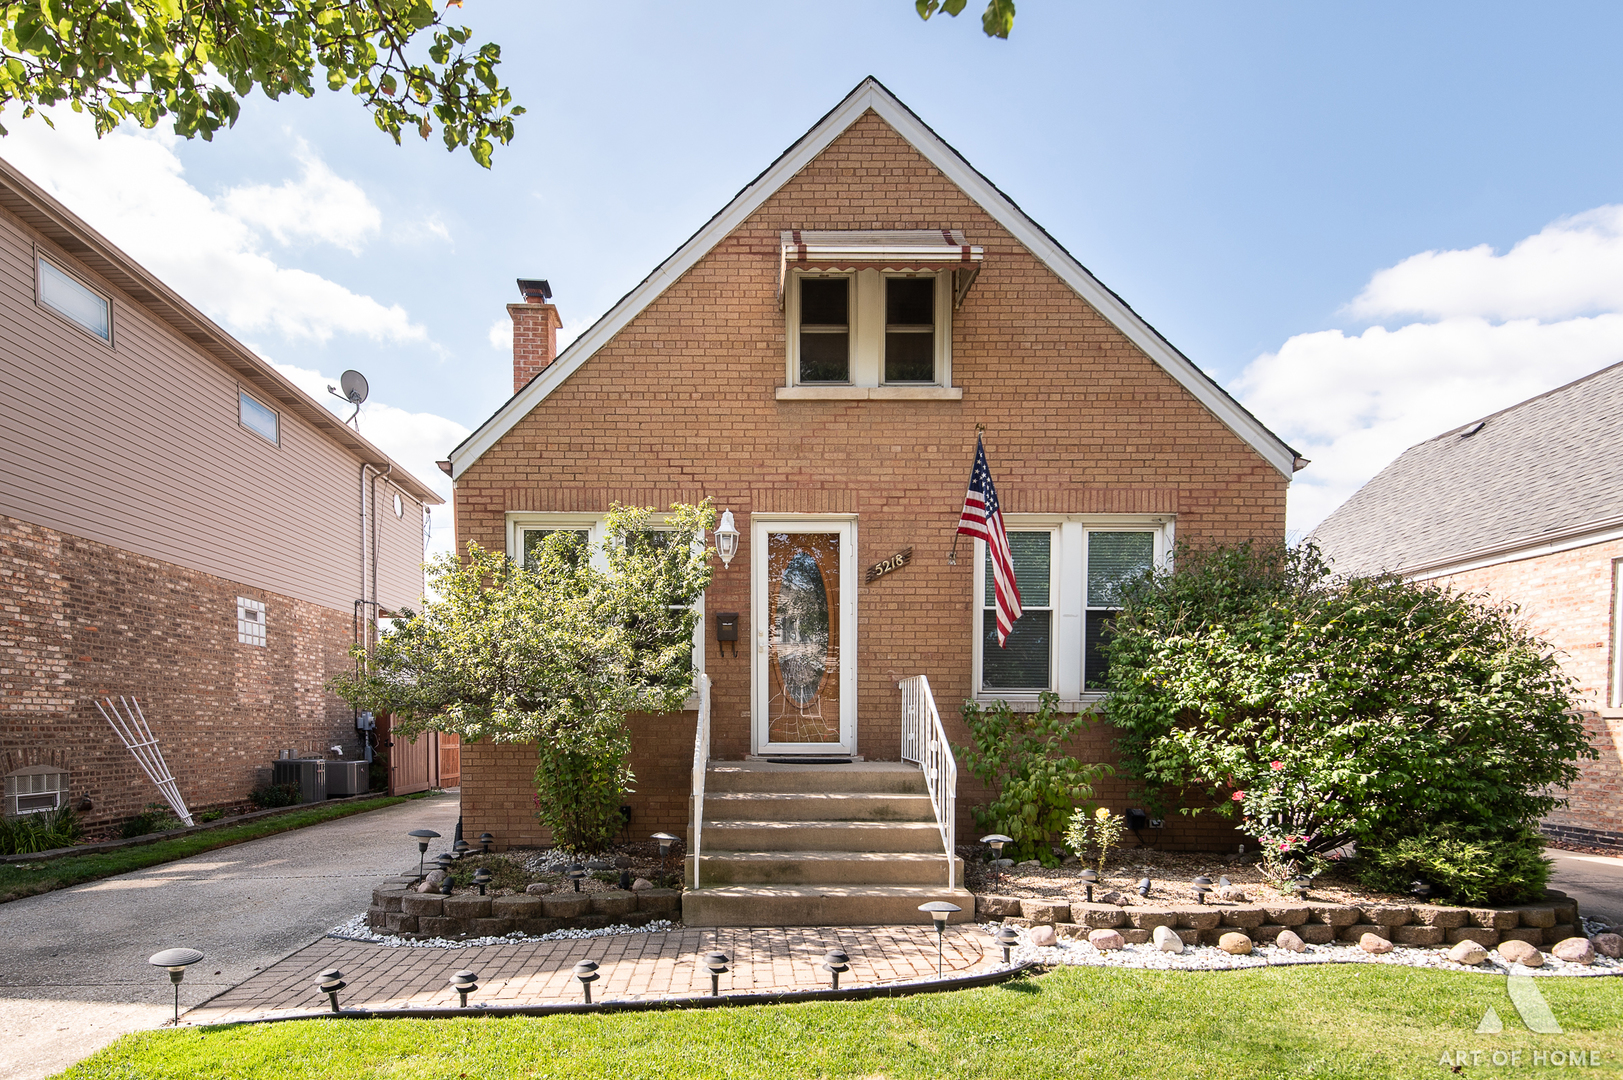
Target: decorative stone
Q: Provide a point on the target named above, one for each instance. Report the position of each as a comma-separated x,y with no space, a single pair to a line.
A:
1536,916
1042,935
1234,942
1167,940
1609,945
1424,937
1530,934
1106,940
1290,940
614,902
1374,943
568,905
659,900
538,888
1468,952
1247,918
431,883
1520,952
622,862
1493,918
1198,917
1448,918
640,884
1111,897
1286,914
1034,864
1334,914
1233,894
522,906
1316,933
1387,915
1046,911
1098,916
1485,938
997,907
467,906
422,905
1574,950
1150,918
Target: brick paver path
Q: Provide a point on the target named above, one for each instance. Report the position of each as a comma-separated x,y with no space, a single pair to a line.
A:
632,966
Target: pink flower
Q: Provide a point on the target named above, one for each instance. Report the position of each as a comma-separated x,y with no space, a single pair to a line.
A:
1238,796
1277,765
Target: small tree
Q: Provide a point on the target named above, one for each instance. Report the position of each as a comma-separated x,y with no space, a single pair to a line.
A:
555,653
1319,710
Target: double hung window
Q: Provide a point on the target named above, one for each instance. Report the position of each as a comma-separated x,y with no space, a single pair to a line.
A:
869,328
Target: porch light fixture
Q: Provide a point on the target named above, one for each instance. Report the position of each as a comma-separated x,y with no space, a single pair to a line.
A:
481,878
717,963
834,962
939,911
576,873
422,836
485,840
1090,879
464,983
329,982
727,539
1008,937
1203,885
586,972
176,961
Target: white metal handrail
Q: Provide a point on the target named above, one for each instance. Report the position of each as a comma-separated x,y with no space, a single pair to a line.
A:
701,763
924,743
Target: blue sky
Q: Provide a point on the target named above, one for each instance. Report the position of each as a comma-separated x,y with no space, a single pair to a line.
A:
1370,222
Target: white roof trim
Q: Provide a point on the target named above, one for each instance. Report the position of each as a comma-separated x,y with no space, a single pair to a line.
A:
871,95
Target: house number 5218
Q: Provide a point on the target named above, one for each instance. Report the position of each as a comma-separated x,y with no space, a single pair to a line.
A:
895,562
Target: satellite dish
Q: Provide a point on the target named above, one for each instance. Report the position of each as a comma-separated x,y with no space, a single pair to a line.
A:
354,386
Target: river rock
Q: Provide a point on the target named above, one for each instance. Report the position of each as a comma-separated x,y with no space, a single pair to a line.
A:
1106,940
1234,942
1468,952
1112,897
1520,952
1574,950
1608,945
1291,940
1374,943
641,884
1043,935
1167,940
538,888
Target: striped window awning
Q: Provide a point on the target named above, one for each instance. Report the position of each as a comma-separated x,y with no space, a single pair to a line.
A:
896,250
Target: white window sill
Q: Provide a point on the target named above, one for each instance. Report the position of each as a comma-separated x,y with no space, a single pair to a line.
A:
1028,703
870,393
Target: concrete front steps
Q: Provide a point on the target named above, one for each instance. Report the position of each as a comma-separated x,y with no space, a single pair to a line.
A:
818,845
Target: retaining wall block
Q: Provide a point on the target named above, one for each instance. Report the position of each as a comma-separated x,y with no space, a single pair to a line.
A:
1561,932
1479,934
492,927
1419,936
659,901
1447,918
401,924
440,926
1493,918
1197,917
1098,916
1045,912
1334,914
1533,935
997,907
1538,916
388,897
1286,914
1245,918
1358,930
522,906
470,906
614,902
569,905
1316,933
418,904
1148,919
1267,932
377,918
1566,911
538,924
1387,914
1133,936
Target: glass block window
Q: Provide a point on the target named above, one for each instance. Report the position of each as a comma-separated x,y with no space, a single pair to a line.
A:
37,789
250,621
258,417
1115,560
1025,661
64,295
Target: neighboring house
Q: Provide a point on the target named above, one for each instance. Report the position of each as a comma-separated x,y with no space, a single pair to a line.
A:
178,523
815,360
1523,505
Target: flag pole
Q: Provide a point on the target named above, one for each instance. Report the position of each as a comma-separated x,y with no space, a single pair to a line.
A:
952,556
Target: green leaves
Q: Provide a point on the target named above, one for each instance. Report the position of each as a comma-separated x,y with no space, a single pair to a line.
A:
997,20
194,60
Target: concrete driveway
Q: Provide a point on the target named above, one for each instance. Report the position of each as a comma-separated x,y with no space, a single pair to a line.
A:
1595,881
76,975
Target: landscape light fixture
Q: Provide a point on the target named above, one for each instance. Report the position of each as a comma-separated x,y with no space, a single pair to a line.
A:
834,962
939,911
485,840
665,841
481,878
176,961
576,873
1090,879
1008,937
1203,885
329,982
464,983
461,848
717,963
996,841
1223,881
1420,890
444,860
1143,886
422,836
586,972
726,539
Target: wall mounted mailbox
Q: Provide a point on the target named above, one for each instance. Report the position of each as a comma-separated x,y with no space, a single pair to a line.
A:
727,629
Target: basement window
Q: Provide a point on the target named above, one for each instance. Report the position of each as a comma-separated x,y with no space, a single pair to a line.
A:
37,789
250,622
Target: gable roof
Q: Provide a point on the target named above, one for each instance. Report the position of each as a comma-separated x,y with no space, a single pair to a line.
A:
1538,476
62,227
871,94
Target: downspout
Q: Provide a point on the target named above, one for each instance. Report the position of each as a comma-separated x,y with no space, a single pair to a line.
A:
375,478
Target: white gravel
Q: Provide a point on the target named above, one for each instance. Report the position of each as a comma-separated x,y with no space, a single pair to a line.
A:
1211,958
357,930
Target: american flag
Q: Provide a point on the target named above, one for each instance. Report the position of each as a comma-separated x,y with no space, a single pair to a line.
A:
982,518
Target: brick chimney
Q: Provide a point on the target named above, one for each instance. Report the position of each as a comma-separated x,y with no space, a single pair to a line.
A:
535,331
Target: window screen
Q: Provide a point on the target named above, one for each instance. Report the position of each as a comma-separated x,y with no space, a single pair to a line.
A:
256,417
910,329
1023,663
67,297
1115,561
825,330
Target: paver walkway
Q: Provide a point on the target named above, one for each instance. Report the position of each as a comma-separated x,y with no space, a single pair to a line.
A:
631,966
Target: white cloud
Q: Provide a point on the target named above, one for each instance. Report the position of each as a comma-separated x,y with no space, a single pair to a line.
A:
129,185
1505,327
415,440
501,334
319,206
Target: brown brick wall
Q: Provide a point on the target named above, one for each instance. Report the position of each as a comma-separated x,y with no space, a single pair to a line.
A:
80,619
1566,598
680,405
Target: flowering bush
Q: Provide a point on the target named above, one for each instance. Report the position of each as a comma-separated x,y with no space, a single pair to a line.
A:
1092,836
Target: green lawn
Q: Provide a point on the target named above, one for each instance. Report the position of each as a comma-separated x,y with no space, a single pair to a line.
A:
1334,1021
26,879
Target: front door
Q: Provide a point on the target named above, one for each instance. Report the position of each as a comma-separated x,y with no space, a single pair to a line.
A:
804,594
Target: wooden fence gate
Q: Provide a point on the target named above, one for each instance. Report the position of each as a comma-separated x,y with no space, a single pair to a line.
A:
432,760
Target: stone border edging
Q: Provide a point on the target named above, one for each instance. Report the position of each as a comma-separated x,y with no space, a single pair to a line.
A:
786,997
397,908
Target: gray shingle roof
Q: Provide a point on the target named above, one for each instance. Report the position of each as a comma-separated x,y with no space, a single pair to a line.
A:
1550,465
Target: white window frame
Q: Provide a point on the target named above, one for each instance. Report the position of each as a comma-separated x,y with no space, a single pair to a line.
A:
1614,698
1068,582
42,260
592,525
14,781
866,312
253,623
244,392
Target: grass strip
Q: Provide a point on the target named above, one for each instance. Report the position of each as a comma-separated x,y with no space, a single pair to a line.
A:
28,879
1340,1021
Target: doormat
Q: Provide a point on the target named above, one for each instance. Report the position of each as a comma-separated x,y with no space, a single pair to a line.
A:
809,760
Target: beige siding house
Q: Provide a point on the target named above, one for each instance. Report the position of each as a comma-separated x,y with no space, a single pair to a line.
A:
161,485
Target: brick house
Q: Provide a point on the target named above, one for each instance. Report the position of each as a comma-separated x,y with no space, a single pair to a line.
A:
178,522
1524,506
815,360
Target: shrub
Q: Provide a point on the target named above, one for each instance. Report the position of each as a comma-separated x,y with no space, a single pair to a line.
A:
211,815
155,818
1466,868
1093,835
30,833
267,798
1319,709
1017,755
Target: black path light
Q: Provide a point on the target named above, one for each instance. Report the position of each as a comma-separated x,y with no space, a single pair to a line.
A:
176,961
717,963
461,847
1143,886
576,873
939,910
329,982
422,836
464,983
665,841
1090,879
485,840
996,841
834,962
481,878
1008,937
586,972
1420,890
1203,885
444,860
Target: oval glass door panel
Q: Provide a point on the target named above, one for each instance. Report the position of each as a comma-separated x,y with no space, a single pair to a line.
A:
804,574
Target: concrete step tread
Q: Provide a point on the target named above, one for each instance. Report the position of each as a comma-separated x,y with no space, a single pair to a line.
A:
829,796
775,766
873,777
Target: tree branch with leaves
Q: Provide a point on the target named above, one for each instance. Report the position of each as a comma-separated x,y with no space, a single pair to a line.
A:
997,20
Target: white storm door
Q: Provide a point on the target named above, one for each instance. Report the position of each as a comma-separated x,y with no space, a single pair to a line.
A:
803,592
